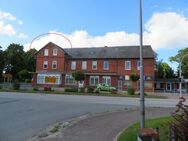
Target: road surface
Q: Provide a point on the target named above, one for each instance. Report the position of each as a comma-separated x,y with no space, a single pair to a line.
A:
24,115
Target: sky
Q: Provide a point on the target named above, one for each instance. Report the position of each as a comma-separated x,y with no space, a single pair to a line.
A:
95,23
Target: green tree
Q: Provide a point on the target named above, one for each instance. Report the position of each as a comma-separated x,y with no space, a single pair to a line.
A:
164,70
177,59
79,76
15,56
134,77
1,62
30,60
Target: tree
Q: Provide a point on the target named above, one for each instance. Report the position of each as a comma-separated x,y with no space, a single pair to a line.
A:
79,76
133,77
30,59
1,62
14,55
177,59
164,70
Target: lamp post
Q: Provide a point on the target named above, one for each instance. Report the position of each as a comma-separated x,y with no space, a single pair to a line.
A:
142,105
180,73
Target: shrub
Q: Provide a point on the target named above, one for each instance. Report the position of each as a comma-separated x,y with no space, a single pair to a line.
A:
47,88
130,91
35,89
81,90
16,85
71,90
179,127
90,89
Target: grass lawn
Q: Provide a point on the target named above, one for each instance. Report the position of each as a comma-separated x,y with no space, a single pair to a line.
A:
130,134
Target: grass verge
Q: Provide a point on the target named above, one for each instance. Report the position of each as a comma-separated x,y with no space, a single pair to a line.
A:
79,93
130,134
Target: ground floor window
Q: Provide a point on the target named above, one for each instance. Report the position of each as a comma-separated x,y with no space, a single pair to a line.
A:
106,80
69,80
148,84
49,79
94,80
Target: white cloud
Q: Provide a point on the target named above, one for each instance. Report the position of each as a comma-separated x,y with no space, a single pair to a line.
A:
167,30
6,29
22,36
83,39
20,22
6,15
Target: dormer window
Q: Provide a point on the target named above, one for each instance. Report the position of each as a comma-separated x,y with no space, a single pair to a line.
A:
45,52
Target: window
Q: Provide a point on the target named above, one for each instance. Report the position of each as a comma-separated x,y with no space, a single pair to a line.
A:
94,80
45,64
54,65
49,79
138,65
94,65
127,65
55,52
106,80
69,80
73,65
84,65
106,65
45,52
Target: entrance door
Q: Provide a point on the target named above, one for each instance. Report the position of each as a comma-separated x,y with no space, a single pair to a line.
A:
169,87
120,83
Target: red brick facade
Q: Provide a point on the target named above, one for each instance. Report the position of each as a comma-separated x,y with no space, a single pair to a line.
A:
116,74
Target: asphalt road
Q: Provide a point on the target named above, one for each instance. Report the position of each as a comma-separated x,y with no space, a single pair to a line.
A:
24,115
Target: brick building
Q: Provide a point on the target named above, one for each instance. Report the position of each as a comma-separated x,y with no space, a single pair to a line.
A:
111,65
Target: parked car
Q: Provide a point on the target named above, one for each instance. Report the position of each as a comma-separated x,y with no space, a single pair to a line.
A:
105,87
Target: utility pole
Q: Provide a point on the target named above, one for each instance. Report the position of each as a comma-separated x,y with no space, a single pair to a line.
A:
142,105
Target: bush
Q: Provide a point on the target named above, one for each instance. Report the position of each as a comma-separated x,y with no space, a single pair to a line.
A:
81,90
16,85
179,126
90,90
130,91
35,89
71,90
47,88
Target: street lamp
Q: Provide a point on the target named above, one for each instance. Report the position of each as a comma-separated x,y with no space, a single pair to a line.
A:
142,105
180,71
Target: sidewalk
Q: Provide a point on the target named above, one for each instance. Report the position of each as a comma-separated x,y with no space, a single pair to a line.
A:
104,127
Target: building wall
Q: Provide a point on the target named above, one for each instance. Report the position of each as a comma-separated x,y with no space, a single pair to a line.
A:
60,58
116,67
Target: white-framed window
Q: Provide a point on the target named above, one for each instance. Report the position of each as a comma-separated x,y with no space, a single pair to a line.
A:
94,80
127,65
84,65
106,80
69,80
106,65
55,52
45,64
46,52
73,65
49,79
54,64
138,65
94,65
